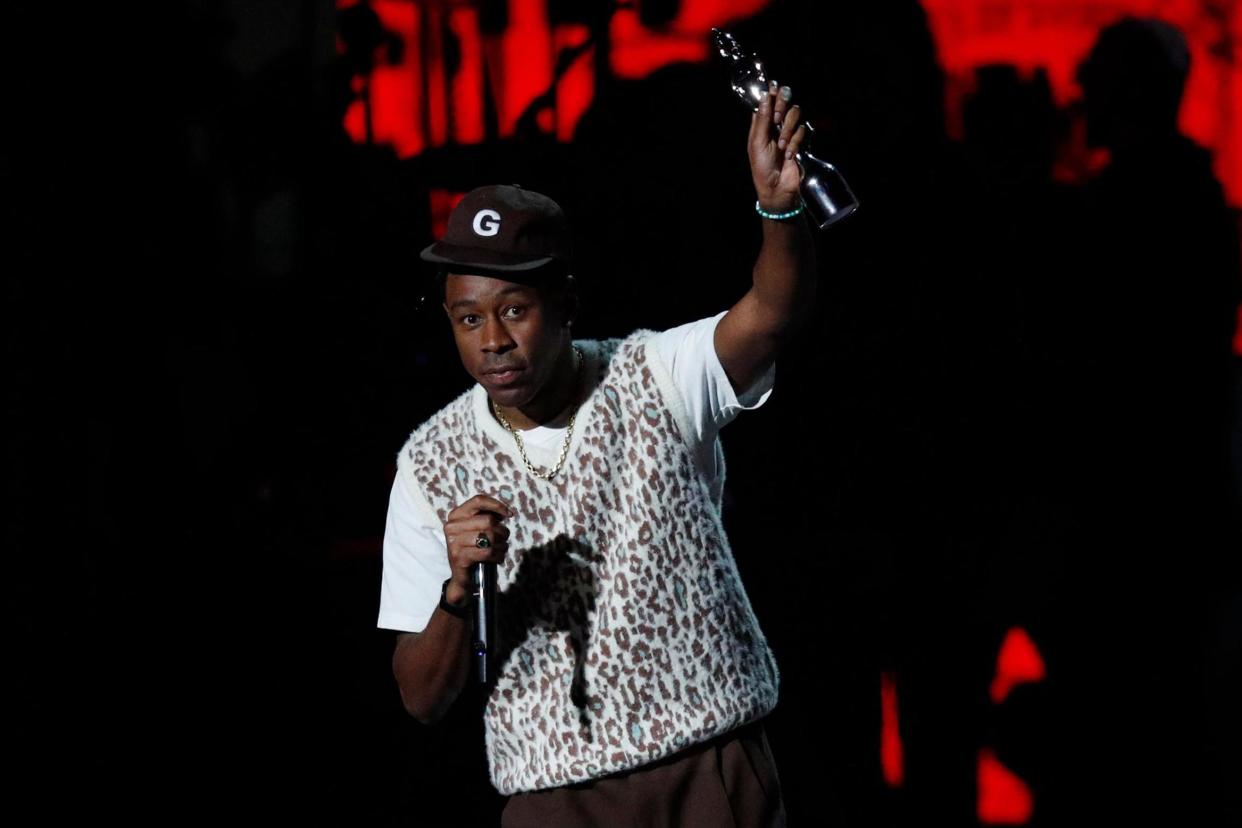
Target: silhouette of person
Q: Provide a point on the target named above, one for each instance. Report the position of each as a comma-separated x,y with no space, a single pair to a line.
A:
1146,459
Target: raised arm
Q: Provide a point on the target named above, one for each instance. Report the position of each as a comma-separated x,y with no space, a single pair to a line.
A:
777,304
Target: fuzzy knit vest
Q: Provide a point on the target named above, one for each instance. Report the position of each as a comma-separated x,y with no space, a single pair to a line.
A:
625,632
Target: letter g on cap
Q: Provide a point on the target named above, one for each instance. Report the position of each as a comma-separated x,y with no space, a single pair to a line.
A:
487,222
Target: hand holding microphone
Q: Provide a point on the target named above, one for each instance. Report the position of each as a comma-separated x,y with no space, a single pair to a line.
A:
477,540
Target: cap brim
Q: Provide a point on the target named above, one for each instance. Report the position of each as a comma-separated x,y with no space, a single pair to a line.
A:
461,256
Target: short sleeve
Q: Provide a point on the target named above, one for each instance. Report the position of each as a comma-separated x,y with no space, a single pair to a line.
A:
689,353
415,561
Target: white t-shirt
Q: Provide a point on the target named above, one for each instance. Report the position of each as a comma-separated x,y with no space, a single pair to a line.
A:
415,556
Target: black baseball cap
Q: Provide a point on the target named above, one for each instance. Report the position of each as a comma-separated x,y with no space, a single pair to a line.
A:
502,228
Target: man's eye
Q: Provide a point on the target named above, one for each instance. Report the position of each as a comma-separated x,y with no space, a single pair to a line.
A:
514,308
469,318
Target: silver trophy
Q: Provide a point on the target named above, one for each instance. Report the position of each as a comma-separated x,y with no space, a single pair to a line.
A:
827,196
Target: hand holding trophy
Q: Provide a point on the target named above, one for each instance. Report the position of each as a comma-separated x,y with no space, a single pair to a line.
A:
827,196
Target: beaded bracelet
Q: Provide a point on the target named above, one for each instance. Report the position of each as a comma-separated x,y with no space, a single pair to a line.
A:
779,216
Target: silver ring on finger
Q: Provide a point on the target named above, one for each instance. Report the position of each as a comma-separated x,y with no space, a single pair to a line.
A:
482,542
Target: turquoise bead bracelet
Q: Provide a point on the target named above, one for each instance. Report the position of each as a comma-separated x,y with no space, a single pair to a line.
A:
779,216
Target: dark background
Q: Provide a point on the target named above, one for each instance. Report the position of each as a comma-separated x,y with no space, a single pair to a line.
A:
1011,407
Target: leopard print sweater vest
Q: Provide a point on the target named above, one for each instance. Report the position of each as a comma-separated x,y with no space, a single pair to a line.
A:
625,632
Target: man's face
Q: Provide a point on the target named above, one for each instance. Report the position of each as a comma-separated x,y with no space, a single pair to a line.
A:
507,334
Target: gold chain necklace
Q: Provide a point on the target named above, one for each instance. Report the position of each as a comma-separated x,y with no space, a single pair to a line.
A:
569,432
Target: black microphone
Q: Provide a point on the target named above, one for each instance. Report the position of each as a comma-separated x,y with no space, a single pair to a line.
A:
484,619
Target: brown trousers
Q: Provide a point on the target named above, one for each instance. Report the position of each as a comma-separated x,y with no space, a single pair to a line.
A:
729,781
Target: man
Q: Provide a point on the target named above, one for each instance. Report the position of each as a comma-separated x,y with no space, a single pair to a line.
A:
631,672
1143,417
